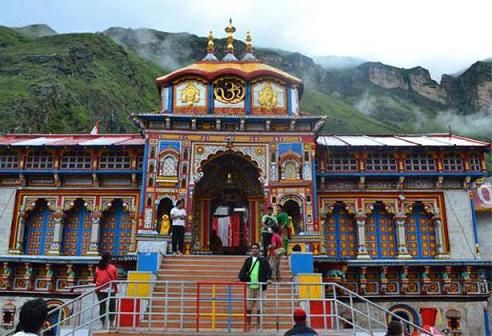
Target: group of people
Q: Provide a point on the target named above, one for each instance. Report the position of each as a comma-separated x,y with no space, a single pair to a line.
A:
257,272
275,232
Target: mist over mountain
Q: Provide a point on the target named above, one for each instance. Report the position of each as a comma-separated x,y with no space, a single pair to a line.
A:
84,77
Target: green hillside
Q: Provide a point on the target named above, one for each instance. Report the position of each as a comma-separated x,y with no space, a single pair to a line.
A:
64,83
342,118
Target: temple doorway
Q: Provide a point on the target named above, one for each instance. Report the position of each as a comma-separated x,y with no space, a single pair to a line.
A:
226,204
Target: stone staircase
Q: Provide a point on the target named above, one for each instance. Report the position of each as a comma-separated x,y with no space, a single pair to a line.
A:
179,312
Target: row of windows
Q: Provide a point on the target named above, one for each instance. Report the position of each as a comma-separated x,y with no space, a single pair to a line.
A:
380,234
72,160
388,163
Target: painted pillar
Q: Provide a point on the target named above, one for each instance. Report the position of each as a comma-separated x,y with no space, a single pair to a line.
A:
55,246
400,219
360,219
441,253
133,228
19,245
95,232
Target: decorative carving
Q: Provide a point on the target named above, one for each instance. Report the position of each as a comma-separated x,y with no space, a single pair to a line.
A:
229,90
267,97
190,95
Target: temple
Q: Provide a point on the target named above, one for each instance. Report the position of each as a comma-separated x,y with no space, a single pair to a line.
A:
391,217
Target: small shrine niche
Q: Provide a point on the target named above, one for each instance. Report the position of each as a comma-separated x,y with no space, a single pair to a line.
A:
8,314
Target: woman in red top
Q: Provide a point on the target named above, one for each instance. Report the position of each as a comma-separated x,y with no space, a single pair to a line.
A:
105,273
276,252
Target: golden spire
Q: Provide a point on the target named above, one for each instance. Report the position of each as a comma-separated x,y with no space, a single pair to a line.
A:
249,43
230,29
210,44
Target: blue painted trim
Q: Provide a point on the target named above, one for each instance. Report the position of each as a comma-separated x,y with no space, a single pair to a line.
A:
474,221
210,98
377,218
80,229
117,230
248,99
70,172
336,217
315,193
170,99
289,100
44,230
416,213
229,307
486,322
348,174
144,176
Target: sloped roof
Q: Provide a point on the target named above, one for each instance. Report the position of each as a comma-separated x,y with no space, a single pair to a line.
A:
34,140
428,140
211,70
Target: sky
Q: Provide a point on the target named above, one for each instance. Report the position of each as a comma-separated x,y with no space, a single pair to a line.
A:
444,36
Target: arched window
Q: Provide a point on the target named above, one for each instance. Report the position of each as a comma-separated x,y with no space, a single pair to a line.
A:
380,233
115,230
340,233
421,240
168,166
77,230
39,230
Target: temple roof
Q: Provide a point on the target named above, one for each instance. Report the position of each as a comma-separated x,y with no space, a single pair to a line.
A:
428,140
35,140
213,69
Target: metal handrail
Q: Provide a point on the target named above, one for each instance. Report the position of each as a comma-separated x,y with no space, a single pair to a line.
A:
179,293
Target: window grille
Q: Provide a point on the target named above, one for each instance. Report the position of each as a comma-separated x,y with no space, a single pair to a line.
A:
380,162
420,162
168,166
39,160
342,162
115,160
452,163
9,160
140,161
76,160
474,161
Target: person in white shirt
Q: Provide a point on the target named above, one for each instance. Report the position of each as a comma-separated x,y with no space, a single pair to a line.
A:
178,216
32,318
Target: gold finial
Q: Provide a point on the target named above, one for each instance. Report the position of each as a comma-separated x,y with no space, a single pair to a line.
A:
249,43
210,44
230,29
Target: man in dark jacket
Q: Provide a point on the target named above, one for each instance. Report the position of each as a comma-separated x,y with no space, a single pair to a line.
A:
255,270
300,328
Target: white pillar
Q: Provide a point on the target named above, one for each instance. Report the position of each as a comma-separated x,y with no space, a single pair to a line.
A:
400,219
360,219
55,246
95,230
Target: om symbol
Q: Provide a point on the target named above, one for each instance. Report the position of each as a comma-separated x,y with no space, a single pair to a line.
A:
229,90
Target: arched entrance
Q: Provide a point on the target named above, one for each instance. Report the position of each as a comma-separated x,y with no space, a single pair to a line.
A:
294,211
226,203
164,208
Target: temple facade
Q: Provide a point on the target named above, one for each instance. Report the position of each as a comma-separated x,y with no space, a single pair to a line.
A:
390,217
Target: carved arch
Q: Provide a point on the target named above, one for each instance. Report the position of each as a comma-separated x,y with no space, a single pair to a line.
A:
254,155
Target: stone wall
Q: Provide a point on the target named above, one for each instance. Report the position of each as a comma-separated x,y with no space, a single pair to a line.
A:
472,313
484,223
7,205
460,226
